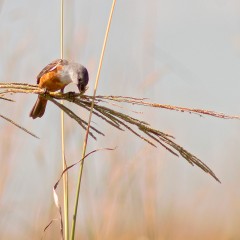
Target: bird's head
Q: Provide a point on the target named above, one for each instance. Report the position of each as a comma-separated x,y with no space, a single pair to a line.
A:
79,75
82,78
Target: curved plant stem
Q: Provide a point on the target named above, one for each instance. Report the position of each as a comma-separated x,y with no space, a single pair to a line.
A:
89,121
64,163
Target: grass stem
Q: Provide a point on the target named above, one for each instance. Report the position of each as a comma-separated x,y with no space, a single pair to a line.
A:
64,163
89,121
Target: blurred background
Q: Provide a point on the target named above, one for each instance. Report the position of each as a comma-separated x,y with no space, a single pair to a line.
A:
184,53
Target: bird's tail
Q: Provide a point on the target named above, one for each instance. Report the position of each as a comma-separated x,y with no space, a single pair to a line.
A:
38,108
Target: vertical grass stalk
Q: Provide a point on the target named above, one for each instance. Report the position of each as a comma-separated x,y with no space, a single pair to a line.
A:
64,163
89,122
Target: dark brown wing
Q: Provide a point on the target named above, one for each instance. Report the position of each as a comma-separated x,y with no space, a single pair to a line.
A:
51,67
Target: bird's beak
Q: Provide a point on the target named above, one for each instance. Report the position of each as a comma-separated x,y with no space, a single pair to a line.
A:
81,88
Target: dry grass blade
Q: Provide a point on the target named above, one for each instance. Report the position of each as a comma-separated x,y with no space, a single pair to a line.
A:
71,114
157,140
74,164
163,137
46,228
120,120
23,86
17,125
55,195
109,120
139,101
193,160
6,99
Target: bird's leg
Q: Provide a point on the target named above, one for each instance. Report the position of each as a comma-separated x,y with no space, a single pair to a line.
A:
45,92
68,94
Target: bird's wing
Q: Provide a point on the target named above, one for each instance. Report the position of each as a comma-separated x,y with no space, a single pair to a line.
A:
51,67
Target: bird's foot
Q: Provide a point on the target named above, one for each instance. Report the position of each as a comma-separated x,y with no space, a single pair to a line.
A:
71,96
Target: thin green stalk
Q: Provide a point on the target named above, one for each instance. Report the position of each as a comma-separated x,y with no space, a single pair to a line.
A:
89,122
64,163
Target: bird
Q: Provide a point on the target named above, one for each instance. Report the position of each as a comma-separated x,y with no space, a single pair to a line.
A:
56,76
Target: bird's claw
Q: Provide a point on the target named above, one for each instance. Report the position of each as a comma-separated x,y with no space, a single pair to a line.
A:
71,95
45,92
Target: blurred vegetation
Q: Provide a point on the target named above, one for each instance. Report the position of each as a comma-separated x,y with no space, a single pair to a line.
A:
136,191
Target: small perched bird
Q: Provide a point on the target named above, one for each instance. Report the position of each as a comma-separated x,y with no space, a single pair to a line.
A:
56,76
